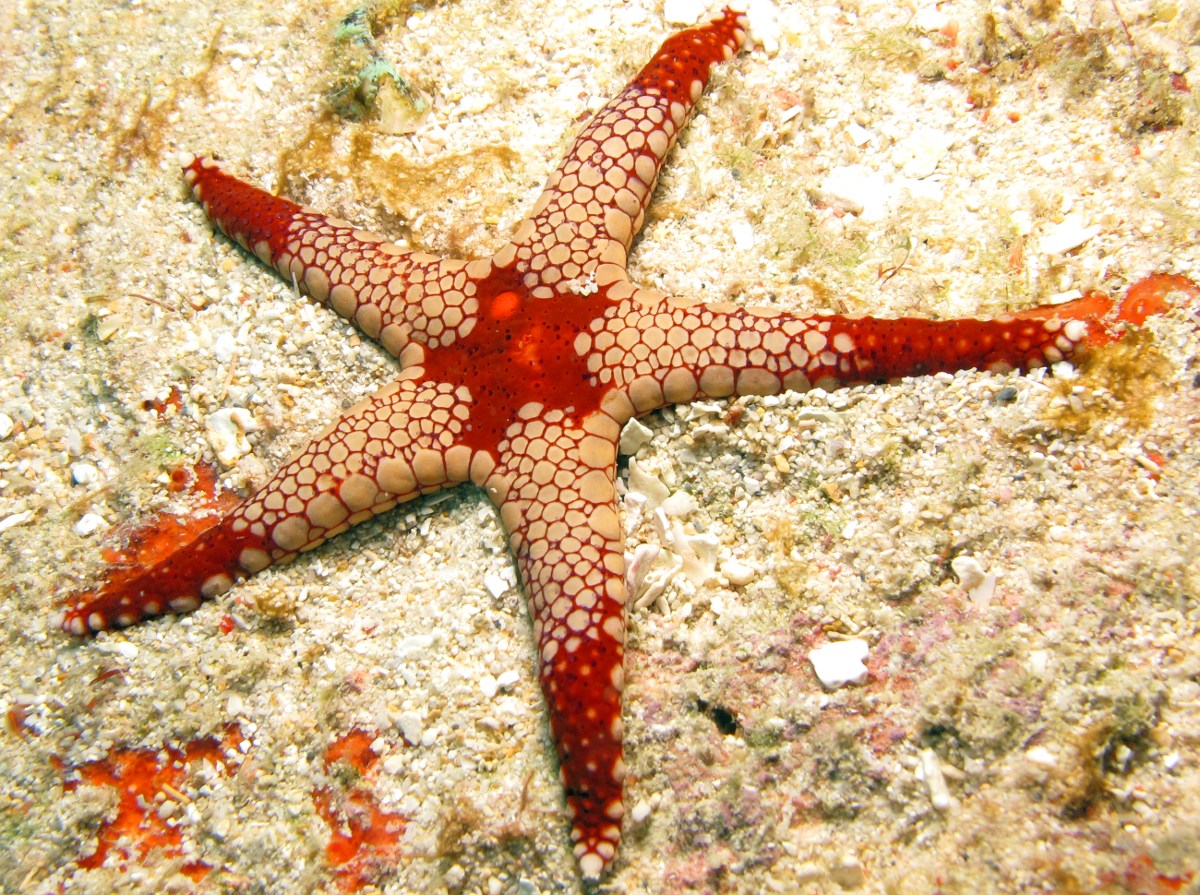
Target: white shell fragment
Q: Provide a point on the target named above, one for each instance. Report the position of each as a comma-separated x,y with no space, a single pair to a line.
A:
1066,235
840,663
649,486
679,504
979,584
226,430
15,519
88,524
633,437
930,771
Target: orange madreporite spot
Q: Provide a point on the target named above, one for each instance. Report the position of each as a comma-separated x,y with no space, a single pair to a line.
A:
505,305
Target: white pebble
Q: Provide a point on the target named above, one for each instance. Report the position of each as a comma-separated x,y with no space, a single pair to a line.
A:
738,573
411,726
84,474
263,82
840,663
640,811
226,430
918,154
1021,220
930,19
6,426
507,679
970,573
88,524
847,872
1040,755
1061,534
497,585
224,347
765,29
979,584
683,12
122,648
743,235
856,189
488,686
1039,662
413,647
454,876
15,519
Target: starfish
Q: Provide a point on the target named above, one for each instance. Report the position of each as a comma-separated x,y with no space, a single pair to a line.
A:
517,374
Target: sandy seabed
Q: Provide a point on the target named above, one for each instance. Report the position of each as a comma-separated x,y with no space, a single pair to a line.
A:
368,716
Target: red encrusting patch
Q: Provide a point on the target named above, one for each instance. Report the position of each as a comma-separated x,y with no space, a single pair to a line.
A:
364,839
16,719
1150,296
173,402
1143,878
145,781
201,479
1144,299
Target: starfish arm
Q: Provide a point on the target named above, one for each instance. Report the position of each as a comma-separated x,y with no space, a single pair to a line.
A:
393,295
562,523
394,446
701,350
593,205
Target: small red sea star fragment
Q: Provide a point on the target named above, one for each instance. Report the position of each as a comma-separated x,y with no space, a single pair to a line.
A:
517,373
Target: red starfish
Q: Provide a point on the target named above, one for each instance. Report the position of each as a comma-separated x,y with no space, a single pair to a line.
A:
518,372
